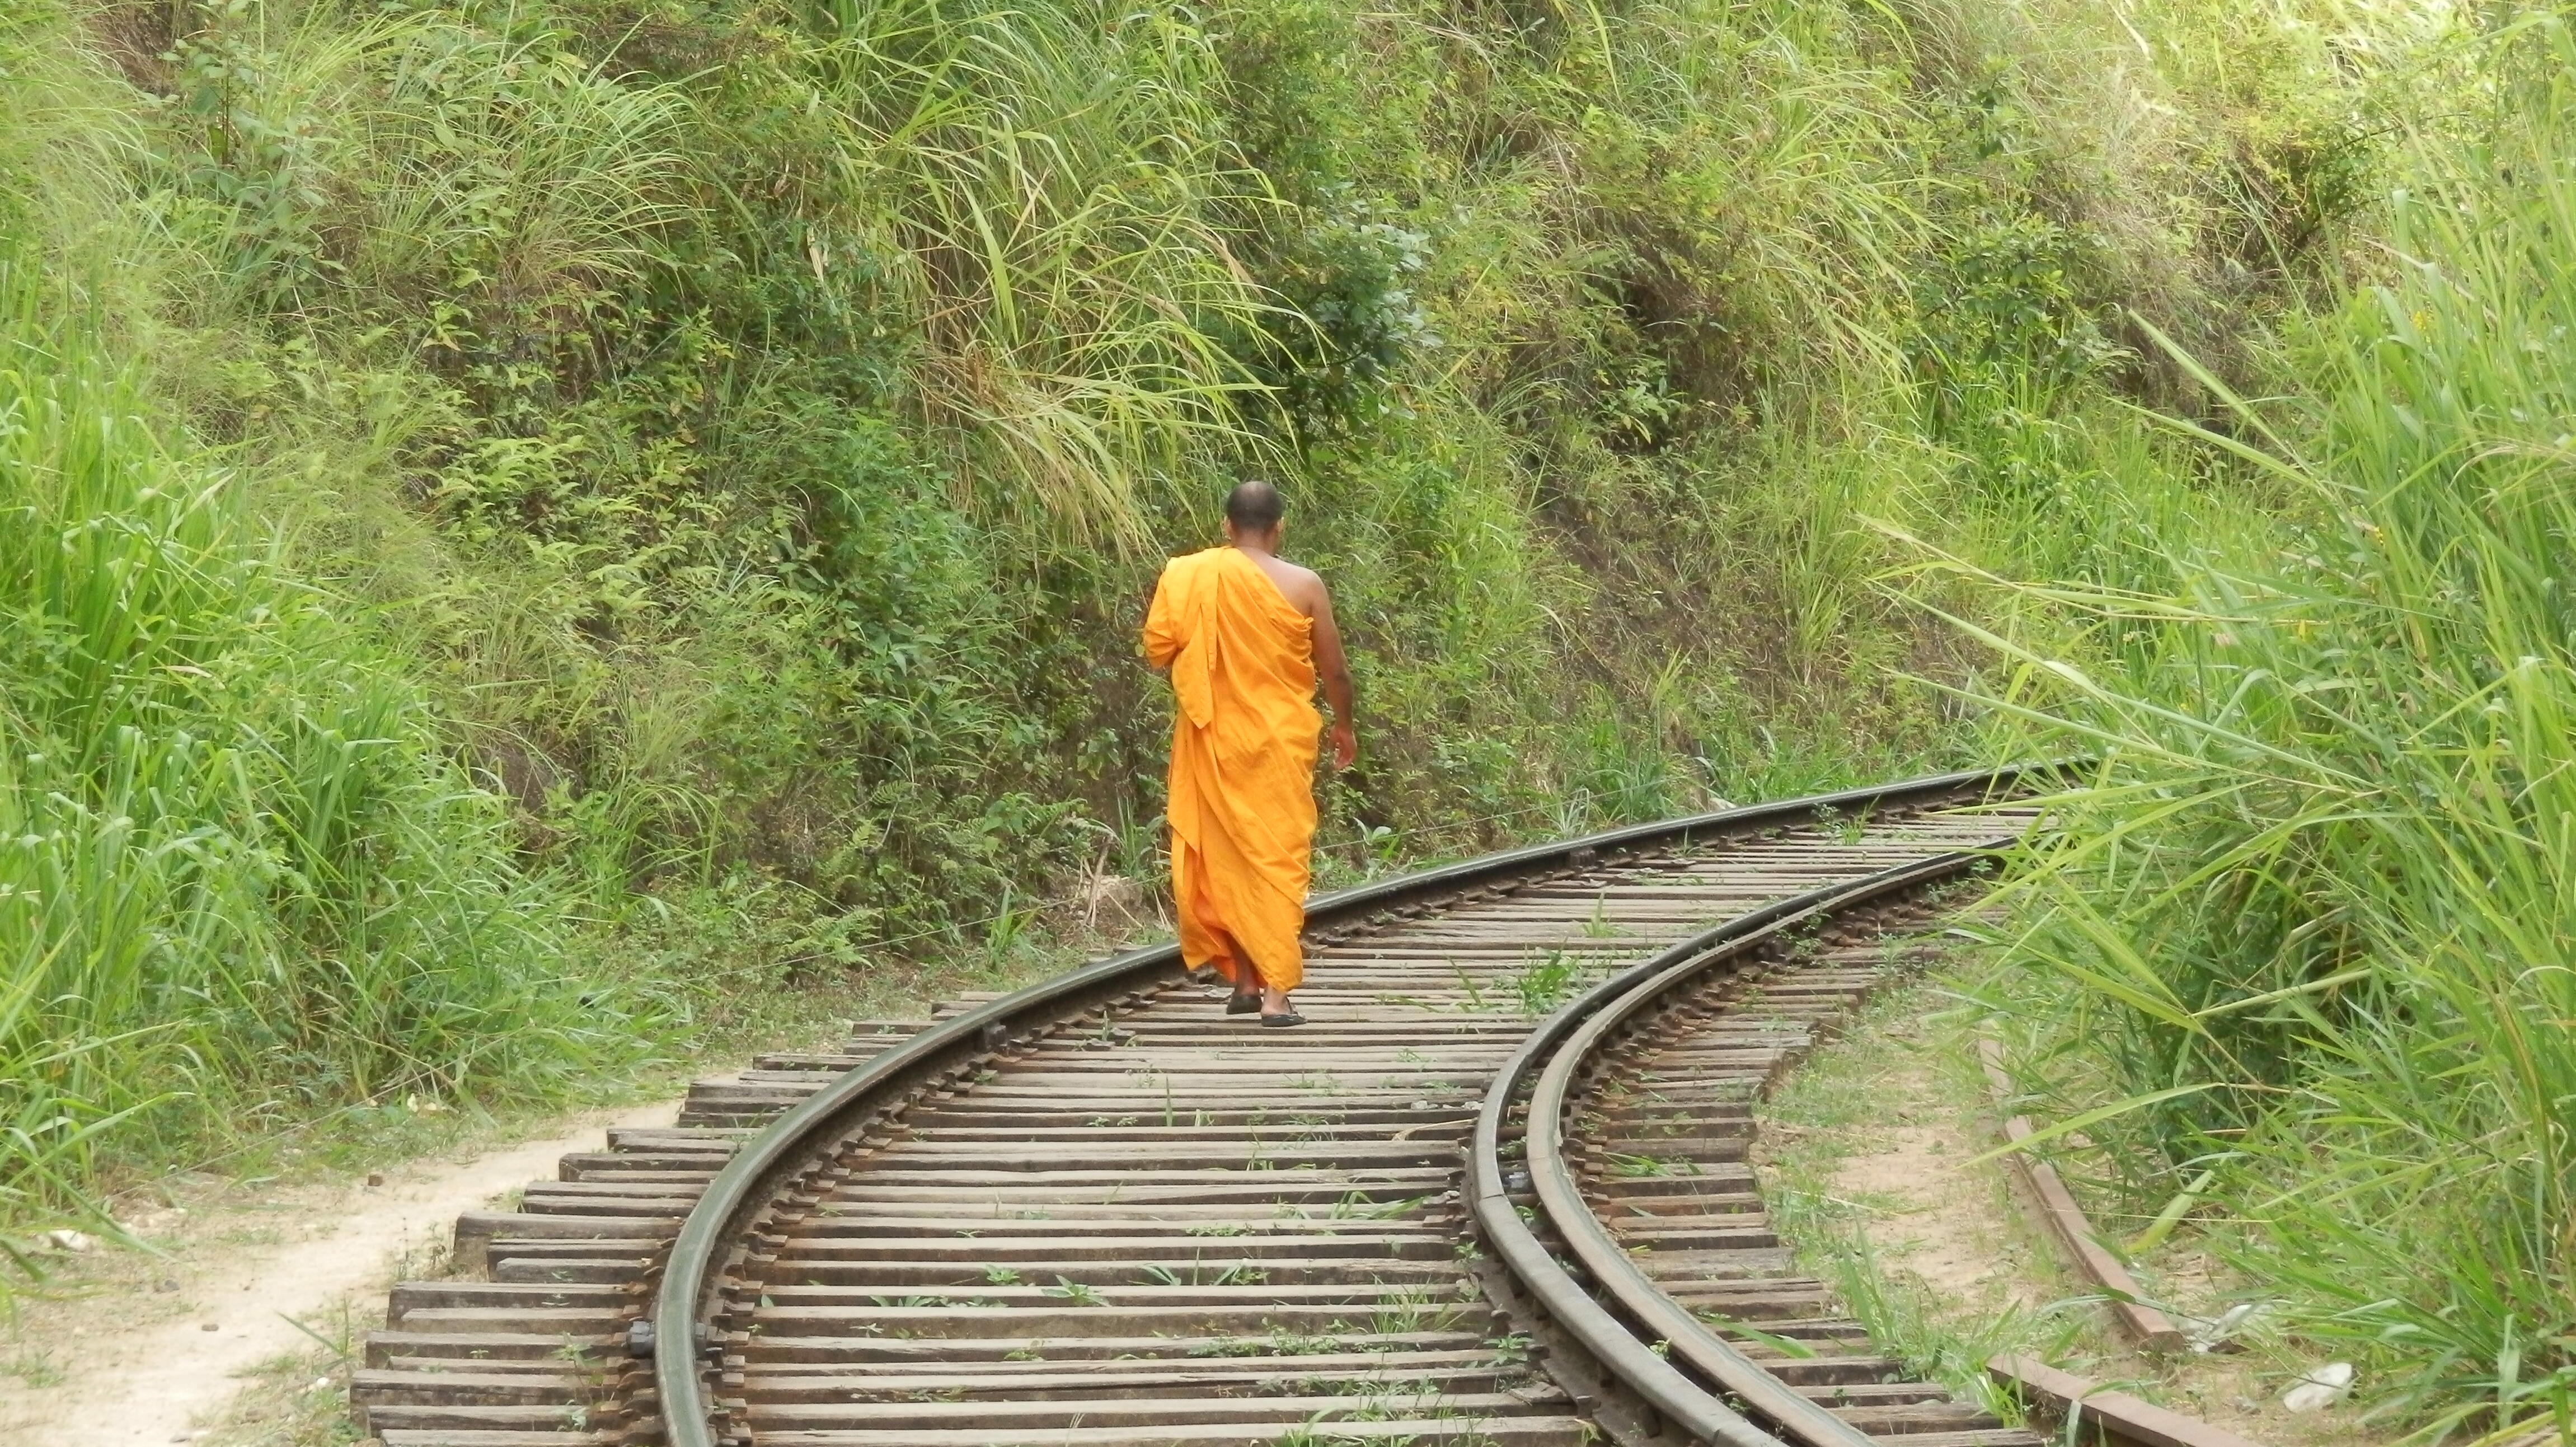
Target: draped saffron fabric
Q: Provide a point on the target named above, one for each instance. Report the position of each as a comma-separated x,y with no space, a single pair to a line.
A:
1243,762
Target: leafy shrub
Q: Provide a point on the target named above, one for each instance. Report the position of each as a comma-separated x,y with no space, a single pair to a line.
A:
1350,279
240,879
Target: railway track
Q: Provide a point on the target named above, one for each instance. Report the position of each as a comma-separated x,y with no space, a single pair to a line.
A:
1632,1222
1494,1195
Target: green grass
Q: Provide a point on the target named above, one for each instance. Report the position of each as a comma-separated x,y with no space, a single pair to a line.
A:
2312,915
233,847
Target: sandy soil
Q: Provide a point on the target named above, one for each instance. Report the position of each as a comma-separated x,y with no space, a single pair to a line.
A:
150,1350
1950,1227
1976,1246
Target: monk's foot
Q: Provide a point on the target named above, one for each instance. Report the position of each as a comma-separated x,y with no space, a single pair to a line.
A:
1242,1004
1283,1020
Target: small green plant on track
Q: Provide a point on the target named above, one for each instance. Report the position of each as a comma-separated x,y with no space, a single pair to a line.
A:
1544,984
1077,1293
1598,924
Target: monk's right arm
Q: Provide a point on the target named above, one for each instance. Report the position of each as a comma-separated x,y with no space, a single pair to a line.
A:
1335,669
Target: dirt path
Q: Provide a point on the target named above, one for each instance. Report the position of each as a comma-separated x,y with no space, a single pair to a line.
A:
151,1362
1883,1126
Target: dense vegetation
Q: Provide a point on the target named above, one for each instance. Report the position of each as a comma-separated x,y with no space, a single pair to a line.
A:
524,520
238,875
2318,901
723,447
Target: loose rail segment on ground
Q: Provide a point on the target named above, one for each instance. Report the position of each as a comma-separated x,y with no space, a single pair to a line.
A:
1097,1211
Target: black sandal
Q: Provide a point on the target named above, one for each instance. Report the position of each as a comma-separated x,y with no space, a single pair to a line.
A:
1242,1004
1283,1020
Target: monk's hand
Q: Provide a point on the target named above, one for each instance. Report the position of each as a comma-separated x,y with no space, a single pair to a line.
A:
1346,745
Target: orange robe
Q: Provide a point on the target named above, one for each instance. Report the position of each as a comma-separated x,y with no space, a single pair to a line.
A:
1243,762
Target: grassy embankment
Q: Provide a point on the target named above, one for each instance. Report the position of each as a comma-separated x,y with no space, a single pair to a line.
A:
545,521
234,845
2312,921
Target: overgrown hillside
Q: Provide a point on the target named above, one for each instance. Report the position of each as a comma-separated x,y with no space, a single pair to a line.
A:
521,512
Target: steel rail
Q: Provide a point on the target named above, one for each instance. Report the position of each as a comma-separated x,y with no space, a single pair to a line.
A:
1638,1299
677,1331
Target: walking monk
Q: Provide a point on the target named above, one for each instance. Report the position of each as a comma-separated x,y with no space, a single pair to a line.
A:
1244,633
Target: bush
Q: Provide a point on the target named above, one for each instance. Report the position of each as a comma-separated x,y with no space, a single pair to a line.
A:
2317,904
241,880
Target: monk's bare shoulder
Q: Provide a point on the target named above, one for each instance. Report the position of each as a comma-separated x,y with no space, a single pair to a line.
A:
1303,590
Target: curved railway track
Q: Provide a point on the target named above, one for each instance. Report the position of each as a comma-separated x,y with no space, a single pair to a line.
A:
1495,1194
1632,1220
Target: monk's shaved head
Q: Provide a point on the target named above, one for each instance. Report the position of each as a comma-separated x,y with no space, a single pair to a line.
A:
1254,507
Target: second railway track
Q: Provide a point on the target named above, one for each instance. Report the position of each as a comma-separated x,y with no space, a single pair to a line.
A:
1101,1212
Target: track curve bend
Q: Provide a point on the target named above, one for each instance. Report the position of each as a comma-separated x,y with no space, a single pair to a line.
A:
1610,1173
1099,1213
